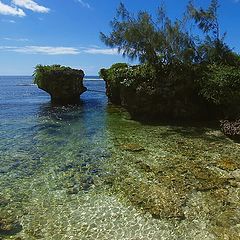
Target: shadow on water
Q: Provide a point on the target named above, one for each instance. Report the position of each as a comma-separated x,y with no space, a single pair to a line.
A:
205,130
9,228
71,112
59,112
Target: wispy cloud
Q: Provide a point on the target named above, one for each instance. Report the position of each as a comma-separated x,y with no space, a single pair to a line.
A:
16,39
31,5
11,10
102,51
46,50
84,4
49,50
8,21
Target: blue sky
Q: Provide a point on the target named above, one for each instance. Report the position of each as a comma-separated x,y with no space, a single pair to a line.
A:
67,31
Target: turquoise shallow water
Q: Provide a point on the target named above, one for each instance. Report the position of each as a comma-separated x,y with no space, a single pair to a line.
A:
90,172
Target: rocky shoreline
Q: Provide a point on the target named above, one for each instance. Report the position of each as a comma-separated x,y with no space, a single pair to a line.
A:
158,94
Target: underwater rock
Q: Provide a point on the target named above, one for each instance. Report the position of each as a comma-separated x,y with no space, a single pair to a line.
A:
132,147
228,165
226,233
158,200
5,169
208,180
228,218
236,174
9,226
73,190
64,84
4,201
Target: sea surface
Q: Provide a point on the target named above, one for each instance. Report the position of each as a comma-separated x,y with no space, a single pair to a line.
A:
91,172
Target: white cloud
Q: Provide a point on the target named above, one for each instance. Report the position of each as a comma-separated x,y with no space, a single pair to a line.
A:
84,4
101,51
42,50
5,47
49,50
16,39
8,21
31,5
9,10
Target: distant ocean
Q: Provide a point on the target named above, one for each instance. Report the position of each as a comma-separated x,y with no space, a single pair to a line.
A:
92,78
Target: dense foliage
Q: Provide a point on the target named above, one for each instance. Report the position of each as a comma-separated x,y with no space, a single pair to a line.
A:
148,40
160,40
220,85
179,69
52,72
149,92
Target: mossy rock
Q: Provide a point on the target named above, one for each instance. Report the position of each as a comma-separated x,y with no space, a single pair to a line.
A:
207,179
227,164
228,218
160,201
132,147
225,233
9,226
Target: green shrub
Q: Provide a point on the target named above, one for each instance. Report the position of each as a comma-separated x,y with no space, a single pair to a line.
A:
220,85
164,79
164,91
113,77
54,72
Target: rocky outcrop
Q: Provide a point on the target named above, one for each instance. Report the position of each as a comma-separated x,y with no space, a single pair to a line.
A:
150,93
231,128
64,84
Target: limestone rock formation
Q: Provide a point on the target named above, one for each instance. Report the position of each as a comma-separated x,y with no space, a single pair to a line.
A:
64,84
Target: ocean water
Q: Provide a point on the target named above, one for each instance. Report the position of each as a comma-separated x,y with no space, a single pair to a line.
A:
90,172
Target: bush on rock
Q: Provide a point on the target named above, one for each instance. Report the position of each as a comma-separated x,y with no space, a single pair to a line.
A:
64,84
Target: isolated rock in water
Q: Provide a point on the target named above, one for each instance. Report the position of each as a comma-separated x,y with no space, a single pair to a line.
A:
64,84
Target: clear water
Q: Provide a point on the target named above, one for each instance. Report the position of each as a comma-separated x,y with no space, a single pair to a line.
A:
90,172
